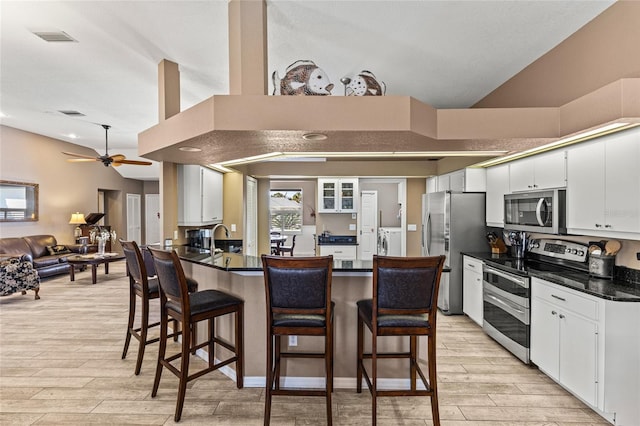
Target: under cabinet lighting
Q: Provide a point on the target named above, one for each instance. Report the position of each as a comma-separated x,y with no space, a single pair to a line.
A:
569,140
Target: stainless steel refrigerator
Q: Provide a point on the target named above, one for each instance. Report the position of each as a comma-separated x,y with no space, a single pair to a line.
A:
452,223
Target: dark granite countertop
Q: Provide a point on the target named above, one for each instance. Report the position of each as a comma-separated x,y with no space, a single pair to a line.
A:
235,262
616,290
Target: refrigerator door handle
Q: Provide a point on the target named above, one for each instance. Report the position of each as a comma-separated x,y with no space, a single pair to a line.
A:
428,245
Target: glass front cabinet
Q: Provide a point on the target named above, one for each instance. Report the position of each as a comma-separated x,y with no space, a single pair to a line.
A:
337,195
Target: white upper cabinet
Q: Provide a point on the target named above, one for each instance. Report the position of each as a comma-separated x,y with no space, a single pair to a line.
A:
542,171
465,180
603,193
497,186
337,195
199,196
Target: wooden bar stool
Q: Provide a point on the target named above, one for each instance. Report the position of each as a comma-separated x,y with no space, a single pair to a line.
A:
144,285
298,297
188,309
405,295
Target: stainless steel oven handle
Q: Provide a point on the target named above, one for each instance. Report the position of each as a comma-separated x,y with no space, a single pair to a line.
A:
502,302
504,275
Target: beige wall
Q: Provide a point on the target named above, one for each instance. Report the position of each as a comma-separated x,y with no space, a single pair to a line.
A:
415,189
603,51
233,201
64,187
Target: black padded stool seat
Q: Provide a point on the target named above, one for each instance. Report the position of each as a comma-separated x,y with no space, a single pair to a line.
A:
144,285
298,298
188,309
405,294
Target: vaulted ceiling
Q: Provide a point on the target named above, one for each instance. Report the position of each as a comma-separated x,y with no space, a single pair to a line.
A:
448,54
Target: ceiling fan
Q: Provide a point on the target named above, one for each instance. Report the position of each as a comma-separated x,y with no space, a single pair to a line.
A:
106,159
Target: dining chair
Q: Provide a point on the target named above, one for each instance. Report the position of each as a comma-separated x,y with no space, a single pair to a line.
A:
143,285
298,299
288,249
405,295
188,309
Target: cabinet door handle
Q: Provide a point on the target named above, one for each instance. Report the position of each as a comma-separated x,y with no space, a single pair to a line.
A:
554,313
607,226
559,298
561,316
598,225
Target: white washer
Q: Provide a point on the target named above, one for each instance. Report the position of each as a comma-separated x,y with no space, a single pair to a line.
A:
394,241
383,241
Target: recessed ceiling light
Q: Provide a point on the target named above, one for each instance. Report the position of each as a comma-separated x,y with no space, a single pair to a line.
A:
189,149
314,136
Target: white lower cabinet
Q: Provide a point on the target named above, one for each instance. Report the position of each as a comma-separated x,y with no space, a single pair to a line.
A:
339,252
564,338
472,288
588,345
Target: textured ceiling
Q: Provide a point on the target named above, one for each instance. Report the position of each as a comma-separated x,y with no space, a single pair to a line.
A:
448,54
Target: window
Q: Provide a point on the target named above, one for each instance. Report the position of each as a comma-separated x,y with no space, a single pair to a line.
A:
285,210
18,201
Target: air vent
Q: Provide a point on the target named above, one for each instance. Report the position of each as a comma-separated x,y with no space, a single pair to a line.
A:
72,113
54,36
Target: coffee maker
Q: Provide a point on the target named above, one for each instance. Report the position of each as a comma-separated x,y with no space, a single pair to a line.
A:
199,238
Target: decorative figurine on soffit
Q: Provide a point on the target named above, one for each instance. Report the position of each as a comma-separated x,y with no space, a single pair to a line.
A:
364,84
302,78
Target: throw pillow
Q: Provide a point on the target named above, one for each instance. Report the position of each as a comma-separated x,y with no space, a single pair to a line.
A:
58,250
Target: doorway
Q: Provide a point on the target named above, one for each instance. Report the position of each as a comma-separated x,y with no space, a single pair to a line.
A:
134,229
152,218
368,225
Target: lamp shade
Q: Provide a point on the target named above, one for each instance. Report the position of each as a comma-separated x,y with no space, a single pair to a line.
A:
77,219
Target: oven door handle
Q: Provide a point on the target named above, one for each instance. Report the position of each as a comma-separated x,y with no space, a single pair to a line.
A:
503,303
520,282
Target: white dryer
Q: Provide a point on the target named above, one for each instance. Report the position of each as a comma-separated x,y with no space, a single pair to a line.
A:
390,241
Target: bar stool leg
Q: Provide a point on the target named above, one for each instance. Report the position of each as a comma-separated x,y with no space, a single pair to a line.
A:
374,377
269,384
162,350
132,314
435,413
329,372
278,361
184,374
240,347
144,328
360,351
413,361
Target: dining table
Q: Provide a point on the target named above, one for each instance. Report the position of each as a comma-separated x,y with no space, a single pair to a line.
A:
276,242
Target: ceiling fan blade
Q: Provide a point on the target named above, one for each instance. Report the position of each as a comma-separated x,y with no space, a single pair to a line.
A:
83,160
133,162
78,155
118,157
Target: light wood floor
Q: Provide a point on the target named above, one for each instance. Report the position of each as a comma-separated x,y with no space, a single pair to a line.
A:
60,364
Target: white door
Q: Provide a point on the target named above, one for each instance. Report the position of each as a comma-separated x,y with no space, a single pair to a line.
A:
152,218
251,217
134,231
368,225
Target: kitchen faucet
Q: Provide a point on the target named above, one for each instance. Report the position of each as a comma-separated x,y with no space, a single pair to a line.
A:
213,235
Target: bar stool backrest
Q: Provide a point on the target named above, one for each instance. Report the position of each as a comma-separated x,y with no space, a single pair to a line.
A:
298,284
171,278
135,263
406,285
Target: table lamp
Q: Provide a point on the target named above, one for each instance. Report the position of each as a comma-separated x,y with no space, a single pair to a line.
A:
77,219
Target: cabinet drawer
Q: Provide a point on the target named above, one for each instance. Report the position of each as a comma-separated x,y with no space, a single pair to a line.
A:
565,298
339,252
472,264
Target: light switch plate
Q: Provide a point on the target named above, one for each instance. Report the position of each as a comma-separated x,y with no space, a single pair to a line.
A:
352,227
293,340
233,227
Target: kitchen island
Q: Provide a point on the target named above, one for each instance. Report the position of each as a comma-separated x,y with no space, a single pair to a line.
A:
242,276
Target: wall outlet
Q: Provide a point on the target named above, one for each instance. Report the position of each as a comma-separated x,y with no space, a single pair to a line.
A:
412,227
352,227
293,340
175,234
353,216
233,227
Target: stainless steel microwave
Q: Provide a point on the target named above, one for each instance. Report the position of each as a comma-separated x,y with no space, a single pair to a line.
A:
536,211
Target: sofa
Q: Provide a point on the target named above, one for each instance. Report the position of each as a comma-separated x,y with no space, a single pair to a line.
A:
47,257
18,274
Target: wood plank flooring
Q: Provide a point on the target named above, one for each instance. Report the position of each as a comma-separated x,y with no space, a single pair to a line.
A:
60,364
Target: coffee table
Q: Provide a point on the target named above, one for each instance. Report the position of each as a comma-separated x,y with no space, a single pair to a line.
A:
94,260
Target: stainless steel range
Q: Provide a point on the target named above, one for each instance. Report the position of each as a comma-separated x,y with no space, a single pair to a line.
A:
506,289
